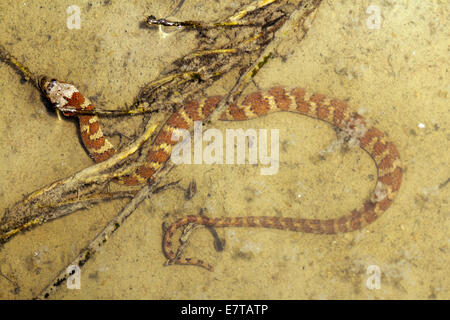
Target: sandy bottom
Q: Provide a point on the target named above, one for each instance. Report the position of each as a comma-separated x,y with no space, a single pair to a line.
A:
396,75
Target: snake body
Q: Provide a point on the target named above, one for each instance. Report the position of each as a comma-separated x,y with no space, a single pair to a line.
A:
297,100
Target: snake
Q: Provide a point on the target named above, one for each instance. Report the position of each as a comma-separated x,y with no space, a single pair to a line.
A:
301,101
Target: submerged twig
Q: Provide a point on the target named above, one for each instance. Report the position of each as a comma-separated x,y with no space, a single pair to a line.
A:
89,251
42,205
230,22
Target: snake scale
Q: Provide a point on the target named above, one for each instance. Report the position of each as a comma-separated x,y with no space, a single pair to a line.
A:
297,100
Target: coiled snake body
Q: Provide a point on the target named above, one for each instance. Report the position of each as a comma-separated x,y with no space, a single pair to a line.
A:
297,100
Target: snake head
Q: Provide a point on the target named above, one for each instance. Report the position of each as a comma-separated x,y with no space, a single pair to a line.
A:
58,93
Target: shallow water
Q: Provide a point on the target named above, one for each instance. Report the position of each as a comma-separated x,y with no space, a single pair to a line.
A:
396,75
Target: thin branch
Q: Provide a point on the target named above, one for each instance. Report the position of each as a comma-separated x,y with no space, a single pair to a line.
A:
248,51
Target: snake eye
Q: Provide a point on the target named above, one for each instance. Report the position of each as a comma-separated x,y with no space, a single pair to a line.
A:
50,85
